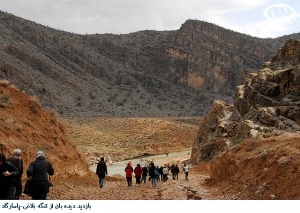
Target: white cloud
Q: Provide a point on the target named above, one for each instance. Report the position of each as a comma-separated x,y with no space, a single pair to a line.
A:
120,16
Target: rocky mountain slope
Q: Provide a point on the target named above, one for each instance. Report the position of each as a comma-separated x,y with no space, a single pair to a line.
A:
146,73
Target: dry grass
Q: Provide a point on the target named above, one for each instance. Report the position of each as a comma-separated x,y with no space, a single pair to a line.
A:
34,104
4,100
4,82
123,138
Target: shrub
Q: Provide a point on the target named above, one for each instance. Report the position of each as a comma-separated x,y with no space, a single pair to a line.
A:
4,82
34,104
4,100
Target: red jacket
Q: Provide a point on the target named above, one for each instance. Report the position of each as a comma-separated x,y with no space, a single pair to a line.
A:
128,171
138,171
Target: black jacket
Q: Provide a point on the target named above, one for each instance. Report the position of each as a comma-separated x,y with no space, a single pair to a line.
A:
39,169
144,171
101,169
6,182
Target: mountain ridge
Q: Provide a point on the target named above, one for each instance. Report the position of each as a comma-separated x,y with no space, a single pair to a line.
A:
146,73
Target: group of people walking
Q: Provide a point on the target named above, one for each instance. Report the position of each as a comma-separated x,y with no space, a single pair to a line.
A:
11,171
155,173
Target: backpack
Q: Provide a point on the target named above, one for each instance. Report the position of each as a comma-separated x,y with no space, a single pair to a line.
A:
155,171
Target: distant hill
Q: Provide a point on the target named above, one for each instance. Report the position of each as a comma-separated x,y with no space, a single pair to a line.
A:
145,73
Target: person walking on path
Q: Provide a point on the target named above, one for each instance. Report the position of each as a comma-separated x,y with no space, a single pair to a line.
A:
144,174
17,161
101,171
160,173
138,173
176,172
128,172
186,170
153,173
172,171
39,171
165,173
7,172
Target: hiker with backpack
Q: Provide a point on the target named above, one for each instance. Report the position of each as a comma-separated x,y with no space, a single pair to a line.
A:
153,173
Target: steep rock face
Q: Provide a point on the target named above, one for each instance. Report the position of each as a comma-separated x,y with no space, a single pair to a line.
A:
266,105
214,58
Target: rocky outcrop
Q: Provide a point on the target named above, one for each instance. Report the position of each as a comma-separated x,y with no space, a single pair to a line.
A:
272,95
268,104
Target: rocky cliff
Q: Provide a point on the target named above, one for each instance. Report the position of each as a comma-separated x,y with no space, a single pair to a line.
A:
146,73
267,104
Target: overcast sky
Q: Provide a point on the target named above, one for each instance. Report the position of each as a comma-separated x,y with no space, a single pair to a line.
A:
261,18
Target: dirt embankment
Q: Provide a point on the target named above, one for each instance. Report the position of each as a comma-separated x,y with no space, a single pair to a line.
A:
259,169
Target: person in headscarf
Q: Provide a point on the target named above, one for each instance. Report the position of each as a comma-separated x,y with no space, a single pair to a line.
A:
39,170
17,161
7,172
101,171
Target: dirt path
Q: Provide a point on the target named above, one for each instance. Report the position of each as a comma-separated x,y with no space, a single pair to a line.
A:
116,189
76,188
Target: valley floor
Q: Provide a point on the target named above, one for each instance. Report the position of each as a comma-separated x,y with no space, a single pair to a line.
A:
79,188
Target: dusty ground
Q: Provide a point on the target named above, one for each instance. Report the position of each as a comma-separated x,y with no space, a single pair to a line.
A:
77,188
